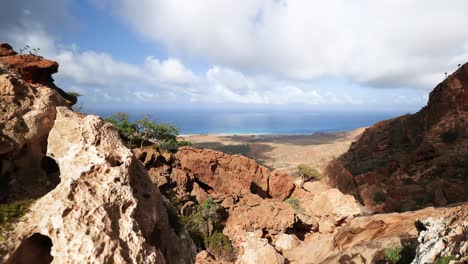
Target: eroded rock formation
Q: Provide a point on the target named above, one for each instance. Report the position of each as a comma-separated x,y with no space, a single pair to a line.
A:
27,115
105,208
95,201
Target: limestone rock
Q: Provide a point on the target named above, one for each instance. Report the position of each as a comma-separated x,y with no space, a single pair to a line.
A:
445,235
364,238
258,251
28,114
271,216
286,242
333,205
105,208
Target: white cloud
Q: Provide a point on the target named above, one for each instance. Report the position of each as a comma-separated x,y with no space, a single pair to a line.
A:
264,53
381,43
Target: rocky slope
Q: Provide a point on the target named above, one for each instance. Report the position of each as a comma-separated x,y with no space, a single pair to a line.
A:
95,201
272,230
414,160
98,202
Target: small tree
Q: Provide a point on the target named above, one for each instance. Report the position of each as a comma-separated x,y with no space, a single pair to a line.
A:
150,130
127,130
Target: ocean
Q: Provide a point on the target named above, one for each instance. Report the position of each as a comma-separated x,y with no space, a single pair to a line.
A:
259,121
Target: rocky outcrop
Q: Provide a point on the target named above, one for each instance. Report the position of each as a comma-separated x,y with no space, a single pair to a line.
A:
33,69
105,208
444,236
233,175
94,201
28,114
415,160
364,239
6,50
199,172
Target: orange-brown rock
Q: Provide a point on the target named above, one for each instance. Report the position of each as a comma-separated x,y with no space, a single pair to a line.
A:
33,69
6,50
217,173
420,159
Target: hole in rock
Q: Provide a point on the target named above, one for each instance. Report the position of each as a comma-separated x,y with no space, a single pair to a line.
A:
35,249
300,229
52,170
49,165
114,161
203,185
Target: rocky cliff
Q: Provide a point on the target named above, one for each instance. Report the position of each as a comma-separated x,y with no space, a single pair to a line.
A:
95,203
413,161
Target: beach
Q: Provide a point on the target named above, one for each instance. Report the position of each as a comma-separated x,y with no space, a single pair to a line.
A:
283,152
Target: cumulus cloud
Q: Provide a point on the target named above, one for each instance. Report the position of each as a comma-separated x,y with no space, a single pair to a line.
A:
384,43
256,52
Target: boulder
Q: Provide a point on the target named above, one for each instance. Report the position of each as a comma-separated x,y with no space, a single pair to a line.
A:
258,251
286,242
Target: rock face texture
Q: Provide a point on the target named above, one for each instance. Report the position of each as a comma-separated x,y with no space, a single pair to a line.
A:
253,198
415,160
105,208
27,115
443,236
364,239
204,171
95,203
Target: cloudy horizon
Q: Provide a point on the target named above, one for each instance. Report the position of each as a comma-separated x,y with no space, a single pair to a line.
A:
364,55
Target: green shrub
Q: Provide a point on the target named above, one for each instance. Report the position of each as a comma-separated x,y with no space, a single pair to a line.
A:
379,197
219,245
206,218
445,260
146,130
295,204
400,254
182,143
393,255
308,173
204,222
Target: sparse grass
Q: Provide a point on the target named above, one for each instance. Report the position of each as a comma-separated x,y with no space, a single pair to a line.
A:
11,213
308,173
295,204
445,260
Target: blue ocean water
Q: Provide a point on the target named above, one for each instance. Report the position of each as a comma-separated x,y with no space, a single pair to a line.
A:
260,121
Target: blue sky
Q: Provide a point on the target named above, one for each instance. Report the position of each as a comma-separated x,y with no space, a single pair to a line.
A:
317,55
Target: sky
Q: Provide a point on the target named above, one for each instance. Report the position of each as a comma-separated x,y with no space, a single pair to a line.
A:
338,55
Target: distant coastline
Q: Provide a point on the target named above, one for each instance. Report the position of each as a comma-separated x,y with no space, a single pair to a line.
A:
261,122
